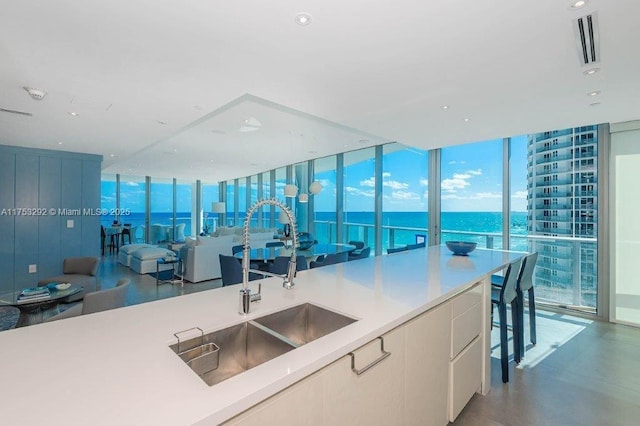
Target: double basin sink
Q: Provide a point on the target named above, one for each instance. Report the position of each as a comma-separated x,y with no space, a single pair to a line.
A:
222,354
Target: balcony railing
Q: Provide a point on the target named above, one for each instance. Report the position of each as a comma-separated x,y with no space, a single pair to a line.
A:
550,286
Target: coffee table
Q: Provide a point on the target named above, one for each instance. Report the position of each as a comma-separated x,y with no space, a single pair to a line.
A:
37,311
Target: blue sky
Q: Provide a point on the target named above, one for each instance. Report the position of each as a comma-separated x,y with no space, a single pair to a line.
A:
471,181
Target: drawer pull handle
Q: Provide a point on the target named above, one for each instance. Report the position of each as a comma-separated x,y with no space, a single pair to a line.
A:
384,354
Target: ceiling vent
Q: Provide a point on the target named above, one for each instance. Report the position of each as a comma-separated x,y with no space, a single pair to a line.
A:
13,111
36,94
585,29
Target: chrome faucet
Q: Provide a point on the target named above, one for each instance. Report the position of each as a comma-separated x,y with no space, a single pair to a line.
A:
245,294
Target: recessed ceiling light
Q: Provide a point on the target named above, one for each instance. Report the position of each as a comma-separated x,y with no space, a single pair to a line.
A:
112,155
578,4
162,122
594,93
73,114
60,143
303,19
445,106
594,104
591,71
466,120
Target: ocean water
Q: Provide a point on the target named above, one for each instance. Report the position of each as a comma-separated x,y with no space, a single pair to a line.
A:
482,227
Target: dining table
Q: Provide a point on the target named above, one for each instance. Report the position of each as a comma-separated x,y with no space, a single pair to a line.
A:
312,253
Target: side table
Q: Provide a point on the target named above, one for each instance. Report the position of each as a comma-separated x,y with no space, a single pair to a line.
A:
174,262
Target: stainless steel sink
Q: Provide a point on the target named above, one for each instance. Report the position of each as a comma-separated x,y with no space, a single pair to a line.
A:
222,354
304,323
241,347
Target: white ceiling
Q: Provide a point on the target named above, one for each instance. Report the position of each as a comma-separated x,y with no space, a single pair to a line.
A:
364,72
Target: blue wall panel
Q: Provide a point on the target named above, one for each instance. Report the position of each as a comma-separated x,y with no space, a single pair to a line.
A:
71,198
7,220
91,175
43,179
49,223
26,227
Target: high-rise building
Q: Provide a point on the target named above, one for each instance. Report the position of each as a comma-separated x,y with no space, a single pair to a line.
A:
562,178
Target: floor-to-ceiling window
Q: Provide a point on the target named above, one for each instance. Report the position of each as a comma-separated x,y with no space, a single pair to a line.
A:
471,193
183,224
562,220
161,210
242,201
519,193
210,195
230,203
359,196
404,195
132,199
108,200
325,201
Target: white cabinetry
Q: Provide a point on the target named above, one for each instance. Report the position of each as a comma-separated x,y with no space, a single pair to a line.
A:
465,372
374,397
434,367
428,339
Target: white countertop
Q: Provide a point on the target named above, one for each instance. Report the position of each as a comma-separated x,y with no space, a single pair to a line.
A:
116,367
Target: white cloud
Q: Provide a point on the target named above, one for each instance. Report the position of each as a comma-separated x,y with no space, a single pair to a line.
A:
520,195
405,195
393,184
452,162
424,182
475,172
484,195
452,185
358,191
371,182
130,183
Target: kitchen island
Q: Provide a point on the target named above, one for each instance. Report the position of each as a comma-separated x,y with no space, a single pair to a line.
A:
116,367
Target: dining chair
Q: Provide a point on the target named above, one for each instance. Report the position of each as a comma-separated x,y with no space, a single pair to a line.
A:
330,259
416,246
501,297
274,244
280,264
126,230
360,253
231,271
396,249
359,244
237,249
103,238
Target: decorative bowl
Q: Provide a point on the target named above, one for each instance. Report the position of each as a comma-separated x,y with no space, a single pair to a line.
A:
63,286
461,248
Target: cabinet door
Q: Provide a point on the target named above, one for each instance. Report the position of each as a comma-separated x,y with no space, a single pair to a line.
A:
299,404
428,339
374,397
466,377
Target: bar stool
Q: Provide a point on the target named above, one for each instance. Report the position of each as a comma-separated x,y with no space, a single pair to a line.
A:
501,296
525,283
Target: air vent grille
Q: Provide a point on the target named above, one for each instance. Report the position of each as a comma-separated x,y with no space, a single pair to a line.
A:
13,111
585,29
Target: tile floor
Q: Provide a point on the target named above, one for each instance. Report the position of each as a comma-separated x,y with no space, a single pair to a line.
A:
580,372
